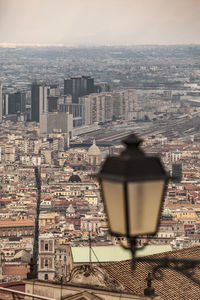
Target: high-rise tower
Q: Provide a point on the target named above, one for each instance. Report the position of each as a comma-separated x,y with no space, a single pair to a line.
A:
78,86
39,102
14,103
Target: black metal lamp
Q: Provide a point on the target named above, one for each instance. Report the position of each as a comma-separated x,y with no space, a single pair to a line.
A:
133,187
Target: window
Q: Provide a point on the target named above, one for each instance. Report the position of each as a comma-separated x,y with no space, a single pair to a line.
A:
46,246
46,263
46,277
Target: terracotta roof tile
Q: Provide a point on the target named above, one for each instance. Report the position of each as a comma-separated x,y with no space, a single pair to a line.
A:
14,285
11,223
173,285
15,270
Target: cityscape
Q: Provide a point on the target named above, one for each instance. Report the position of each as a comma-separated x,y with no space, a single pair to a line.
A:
66,125
99,150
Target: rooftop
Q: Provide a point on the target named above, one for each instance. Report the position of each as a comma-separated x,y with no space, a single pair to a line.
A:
18,223
112,253
172,285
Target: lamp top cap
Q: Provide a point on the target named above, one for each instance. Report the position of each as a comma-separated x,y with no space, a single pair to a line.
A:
132,140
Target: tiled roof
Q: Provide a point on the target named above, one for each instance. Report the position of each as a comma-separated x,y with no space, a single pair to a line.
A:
163,222
18,223
173,285
15,270
14,285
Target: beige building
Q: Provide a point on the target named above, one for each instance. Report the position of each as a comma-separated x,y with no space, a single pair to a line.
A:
47,219
124,102
91,197
91,224
46,257
65,157
84,290
97,107
56,121
102,107
16,228
9,154
46,153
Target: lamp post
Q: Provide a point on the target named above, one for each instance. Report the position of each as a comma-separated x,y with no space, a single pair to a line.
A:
133,187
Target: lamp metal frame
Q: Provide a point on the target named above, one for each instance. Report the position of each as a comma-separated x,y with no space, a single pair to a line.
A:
184,266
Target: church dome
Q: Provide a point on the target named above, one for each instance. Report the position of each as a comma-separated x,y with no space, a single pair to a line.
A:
94,149
74,178
70,209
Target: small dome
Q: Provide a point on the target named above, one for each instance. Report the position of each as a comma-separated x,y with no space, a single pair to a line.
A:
70,209
94,149
74,178
167,212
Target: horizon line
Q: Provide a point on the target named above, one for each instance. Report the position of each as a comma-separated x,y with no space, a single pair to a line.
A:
15,45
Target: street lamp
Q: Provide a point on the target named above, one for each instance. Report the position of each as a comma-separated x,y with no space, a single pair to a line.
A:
133,186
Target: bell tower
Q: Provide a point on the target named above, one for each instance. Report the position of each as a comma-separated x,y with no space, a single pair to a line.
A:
46,257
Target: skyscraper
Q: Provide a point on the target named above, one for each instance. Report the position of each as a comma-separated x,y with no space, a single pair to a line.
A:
78,86
5,104
39,102
1,100
14,103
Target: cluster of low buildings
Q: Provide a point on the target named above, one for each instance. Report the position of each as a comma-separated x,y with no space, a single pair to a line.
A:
71,209
70,205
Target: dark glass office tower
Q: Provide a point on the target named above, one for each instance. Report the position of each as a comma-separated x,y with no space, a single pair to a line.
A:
78,86
35,102
16,103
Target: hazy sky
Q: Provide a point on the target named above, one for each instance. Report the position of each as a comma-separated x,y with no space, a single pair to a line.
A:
100,22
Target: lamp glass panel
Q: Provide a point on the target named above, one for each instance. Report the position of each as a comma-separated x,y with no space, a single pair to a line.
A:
144,202
114,202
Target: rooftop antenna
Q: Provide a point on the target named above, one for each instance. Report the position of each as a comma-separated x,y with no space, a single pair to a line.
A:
90,248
